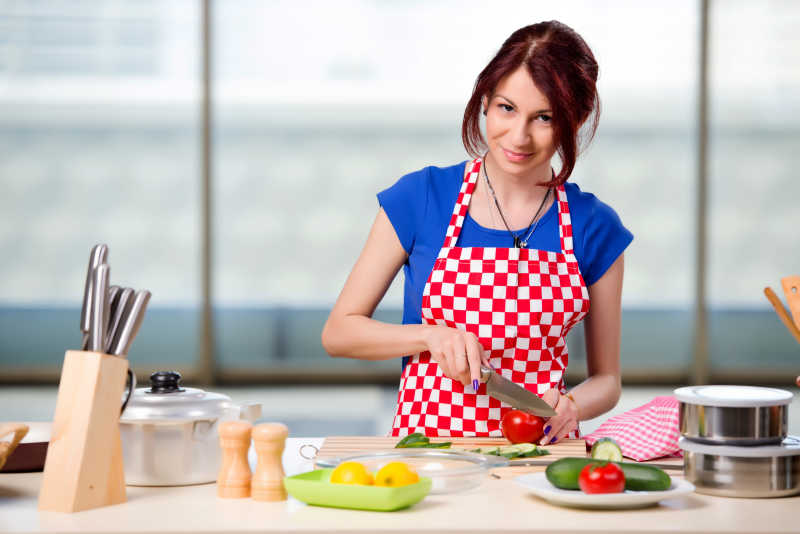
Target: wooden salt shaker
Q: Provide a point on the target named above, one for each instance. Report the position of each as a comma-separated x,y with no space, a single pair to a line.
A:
269,439
233,481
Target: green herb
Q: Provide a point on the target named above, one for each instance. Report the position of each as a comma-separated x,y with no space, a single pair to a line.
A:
418,440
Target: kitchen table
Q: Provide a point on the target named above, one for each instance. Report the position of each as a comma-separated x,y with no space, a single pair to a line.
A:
497,506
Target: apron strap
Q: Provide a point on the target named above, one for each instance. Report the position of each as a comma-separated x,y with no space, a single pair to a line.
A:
462,204
564,221
465,196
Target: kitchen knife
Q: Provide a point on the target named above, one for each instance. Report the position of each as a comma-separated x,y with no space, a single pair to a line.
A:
113,296
128,329
98,255
99,308
111,303
518,397
120,309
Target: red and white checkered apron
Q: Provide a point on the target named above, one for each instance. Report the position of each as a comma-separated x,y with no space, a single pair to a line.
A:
520,303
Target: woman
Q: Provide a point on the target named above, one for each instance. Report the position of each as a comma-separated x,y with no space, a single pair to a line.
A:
501,255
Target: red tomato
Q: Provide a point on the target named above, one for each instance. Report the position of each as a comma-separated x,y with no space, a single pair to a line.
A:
601,477
522,427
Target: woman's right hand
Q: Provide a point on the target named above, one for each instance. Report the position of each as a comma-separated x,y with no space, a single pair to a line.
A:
458,353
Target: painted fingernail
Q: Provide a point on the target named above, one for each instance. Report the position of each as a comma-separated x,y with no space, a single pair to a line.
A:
475,384
547,429
553,440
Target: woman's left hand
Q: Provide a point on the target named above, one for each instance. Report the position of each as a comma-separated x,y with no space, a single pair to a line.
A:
565,420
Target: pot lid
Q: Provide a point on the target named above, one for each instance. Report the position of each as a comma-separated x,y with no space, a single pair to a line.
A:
166,400
788,447
733,396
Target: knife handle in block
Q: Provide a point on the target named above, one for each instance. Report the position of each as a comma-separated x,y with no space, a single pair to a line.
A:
791,288
781,311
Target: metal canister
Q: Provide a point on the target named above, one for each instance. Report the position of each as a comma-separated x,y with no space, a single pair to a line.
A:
742,471
733,415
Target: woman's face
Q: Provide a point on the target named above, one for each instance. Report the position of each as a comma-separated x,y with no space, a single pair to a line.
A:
518,126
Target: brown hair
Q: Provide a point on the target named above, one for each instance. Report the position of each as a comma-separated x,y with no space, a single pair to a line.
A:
563,68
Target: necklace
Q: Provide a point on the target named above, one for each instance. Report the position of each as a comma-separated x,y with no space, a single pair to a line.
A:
523,242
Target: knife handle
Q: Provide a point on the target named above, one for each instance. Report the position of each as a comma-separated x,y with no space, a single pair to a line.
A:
99,306
121,309
97,256
485,373
128,330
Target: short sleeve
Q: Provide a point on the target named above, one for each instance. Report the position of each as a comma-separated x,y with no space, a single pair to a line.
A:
604,239
405,203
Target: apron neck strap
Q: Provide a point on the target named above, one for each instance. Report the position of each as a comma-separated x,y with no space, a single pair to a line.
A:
465,196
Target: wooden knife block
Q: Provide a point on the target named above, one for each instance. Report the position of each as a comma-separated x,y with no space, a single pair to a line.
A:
83,468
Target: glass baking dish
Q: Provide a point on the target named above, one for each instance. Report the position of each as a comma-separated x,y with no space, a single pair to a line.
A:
449,471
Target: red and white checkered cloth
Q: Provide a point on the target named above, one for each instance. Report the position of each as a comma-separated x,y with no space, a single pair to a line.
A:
644,433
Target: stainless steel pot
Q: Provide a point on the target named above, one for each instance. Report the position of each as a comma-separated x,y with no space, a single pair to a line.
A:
733,415
170,433
729,471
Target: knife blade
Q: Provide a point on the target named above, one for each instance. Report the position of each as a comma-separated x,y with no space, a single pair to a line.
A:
97,256
120,309
130,326
99,309
505,390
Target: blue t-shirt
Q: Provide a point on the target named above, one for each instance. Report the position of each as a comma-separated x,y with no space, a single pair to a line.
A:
419,206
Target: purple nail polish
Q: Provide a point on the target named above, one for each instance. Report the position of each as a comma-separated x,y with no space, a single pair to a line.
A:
475,384
553,440
547,429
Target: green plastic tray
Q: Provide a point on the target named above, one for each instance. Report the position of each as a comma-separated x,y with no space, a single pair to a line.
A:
314,488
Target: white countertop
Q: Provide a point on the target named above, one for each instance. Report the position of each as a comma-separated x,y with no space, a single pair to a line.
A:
496,506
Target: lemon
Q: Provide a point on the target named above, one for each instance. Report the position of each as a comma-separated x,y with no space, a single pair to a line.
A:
396,474
351,473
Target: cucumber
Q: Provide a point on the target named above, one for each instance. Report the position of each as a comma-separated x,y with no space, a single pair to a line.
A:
509,451
494,451
525,448
606,449
564,473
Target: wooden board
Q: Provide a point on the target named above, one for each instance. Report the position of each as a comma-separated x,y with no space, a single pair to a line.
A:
339,446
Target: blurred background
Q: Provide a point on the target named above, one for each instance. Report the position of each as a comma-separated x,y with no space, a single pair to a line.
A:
229,154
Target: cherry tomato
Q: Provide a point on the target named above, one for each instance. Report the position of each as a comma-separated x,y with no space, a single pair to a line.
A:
601,477
522,427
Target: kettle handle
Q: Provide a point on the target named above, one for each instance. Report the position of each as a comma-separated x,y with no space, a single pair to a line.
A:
132,378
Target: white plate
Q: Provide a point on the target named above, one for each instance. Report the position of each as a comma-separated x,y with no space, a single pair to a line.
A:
538,484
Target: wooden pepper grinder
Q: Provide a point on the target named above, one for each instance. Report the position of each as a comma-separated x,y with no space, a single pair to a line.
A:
233,481
270,439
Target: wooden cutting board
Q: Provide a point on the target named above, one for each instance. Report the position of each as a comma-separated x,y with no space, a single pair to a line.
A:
339,446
